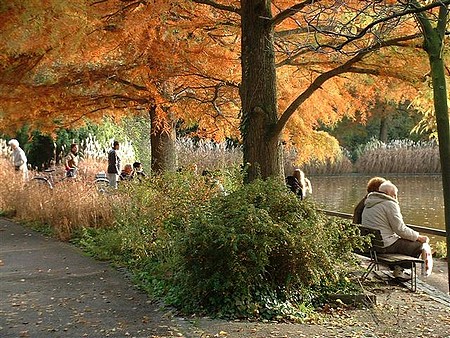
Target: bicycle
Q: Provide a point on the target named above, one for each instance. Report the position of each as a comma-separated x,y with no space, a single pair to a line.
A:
102,183
47,179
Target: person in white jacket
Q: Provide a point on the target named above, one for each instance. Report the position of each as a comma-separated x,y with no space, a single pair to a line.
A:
382,211
19,159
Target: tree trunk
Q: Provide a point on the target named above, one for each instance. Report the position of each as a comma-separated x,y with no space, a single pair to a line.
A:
433,45
163,150
261,147
384,128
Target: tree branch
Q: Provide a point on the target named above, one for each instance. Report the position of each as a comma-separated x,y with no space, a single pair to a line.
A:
219,6
324,77
291,11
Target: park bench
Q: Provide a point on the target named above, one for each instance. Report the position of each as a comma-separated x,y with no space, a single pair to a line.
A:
377,257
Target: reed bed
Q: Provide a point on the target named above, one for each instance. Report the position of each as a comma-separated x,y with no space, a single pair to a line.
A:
339,165
207,155
72,204
400,156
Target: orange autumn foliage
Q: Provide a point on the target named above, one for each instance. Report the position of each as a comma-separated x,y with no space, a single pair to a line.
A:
181,57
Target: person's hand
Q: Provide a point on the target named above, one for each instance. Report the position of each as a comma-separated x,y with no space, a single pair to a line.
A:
423,239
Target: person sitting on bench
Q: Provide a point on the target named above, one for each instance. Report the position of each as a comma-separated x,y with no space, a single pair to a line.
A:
382,211
373,185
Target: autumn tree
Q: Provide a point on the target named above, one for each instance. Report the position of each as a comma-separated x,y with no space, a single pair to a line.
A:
122,62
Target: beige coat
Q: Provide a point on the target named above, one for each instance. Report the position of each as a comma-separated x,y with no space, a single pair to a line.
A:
383,212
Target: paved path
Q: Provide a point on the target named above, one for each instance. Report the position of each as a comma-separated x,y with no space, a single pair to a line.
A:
50,289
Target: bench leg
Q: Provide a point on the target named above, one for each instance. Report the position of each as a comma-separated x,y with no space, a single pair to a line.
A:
372,266
413,281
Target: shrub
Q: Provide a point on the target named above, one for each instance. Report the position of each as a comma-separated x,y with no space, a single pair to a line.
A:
441,249
258,252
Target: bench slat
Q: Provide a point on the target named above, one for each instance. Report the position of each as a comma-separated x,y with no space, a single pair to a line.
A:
394,258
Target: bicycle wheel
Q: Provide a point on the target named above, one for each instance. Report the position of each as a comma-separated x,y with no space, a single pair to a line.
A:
42,182
102,185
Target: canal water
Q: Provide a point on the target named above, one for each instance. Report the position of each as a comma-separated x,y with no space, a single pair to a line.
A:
420,196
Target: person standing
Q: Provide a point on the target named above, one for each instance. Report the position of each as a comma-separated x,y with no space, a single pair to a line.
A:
113,165
71,161
19,158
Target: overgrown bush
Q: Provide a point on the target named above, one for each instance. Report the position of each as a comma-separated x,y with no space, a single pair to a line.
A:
148,215
258,252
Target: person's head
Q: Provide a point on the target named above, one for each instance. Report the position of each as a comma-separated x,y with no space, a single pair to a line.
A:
388,188
128,169
13,143
299,175
116,145
137,166
374,183
74,148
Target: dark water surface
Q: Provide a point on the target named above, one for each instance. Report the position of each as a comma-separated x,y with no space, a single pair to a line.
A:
420,196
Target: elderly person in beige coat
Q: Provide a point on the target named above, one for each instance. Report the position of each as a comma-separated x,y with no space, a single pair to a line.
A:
19,159
382,211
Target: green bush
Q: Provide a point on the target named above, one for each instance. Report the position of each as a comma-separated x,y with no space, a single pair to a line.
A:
441,249
259,252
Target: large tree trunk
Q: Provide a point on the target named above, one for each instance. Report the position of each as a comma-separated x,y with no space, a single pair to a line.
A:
433,45
262,148
163,150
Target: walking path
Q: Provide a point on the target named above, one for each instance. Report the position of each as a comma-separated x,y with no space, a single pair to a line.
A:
50,289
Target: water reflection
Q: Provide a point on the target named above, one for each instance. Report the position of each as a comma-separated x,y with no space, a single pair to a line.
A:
420,196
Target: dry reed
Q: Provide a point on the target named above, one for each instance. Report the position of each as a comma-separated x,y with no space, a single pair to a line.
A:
339,165
206,155
71,205
401,156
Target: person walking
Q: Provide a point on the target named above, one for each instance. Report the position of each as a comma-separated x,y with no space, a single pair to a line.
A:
113,165
19,158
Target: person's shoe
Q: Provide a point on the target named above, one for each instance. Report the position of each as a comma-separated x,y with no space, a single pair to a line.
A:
400,274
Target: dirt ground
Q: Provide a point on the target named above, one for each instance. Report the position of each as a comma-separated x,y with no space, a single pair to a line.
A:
397,312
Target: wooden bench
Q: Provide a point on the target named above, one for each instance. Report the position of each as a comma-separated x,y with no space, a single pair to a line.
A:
377,257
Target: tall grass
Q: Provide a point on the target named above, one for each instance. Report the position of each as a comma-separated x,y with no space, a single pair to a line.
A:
399,156
341,164
71,205
207,155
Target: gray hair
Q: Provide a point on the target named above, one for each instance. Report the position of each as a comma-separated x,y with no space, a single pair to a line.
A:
13,142
388,188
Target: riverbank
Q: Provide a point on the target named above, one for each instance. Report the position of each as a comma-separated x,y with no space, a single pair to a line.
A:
51,289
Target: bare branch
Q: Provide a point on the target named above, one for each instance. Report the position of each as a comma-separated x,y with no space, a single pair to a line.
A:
219,6
291,11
